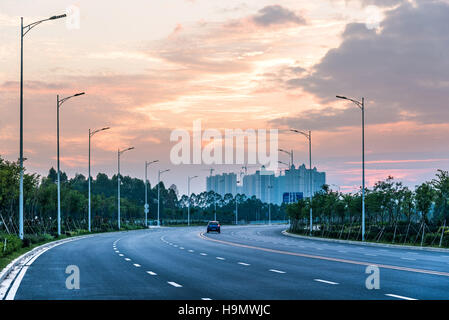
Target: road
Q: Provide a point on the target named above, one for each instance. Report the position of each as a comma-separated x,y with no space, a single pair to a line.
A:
243,262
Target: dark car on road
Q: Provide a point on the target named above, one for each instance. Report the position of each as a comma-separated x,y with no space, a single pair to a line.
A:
213,226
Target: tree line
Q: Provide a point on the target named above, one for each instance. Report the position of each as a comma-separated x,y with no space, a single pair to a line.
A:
393,213
40,203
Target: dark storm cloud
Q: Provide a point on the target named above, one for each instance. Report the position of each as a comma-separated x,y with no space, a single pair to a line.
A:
403,70
275,14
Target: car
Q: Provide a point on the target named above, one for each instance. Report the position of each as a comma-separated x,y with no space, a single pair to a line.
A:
213,226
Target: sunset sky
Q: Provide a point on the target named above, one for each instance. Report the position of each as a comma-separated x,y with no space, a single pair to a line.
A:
149,67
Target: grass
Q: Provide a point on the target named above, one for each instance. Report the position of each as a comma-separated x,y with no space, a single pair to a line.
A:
4,261
416,244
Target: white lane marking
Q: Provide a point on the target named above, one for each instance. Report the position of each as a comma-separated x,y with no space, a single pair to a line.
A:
325,281
243,263
341,251
206,299
174,284
116,251
277,271
175,245
220,258
399,297
371,254
136,265
127,259
182,248
121,254
203,254
411,259
191,250
152,273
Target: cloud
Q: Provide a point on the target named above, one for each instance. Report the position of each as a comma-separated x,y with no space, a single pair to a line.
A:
277,15
402,70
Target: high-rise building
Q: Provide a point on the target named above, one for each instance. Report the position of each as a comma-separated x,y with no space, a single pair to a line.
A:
222,184
268,187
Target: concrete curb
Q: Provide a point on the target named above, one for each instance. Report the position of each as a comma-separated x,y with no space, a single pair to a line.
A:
371,244
28,255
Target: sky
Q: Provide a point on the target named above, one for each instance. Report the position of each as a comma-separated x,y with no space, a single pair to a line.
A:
151,67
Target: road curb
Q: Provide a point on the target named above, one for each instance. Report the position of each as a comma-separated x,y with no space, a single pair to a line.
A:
28,255
370,244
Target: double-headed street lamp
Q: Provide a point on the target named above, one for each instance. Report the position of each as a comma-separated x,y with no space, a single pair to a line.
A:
23,31
118,183
290,154
188,195
269,187
146,207
361,105
159,195
308,135
91,133
59,103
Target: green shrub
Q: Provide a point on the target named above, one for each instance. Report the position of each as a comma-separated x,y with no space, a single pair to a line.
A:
13,243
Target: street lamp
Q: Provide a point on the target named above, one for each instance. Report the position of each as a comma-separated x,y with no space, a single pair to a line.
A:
118,183
290,153
361,105
308,135
91,133
269,199
23,31
158,195
188,192
58,106
146,207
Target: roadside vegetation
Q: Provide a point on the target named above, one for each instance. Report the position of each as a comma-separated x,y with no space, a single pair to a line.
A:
393,213
40,207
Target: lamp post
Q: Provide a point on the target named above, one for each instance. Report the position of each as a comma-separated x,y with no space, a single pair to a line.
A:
118,183
23,31
158,195
361,105
308,135
269,200
91,133
146,207
290,153
188,192
59,103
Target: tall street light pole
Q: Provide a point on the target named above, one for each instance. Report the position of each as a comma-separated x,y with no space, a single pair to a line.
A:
23,31
188,195
91,133
269,200
159,195
146,207
59,103
308,135
118,183
361,105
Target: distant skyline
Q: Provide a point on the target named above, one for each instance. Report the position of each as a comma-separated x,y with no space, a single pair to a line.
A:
151,67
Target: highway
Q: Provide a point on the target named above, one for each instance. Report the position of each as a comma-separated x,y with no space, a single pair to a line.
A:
241,263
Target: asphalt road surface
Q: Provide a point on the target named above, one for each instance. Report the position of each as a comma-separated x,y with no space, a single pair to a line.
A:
241,263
